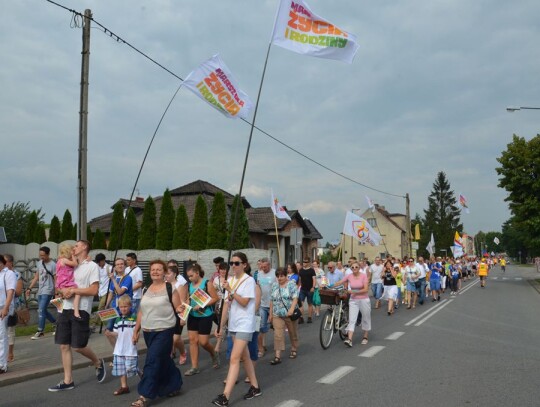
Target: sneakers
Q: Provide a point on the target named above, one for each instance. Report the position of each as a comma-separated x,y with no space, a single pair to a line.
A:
37,335
101,372
221,400
3,370
191,372
309,320
252,392
348,342
62,386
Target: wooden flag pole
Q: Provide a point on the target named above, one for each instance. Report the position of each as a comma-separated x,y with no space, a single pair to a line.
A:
277,241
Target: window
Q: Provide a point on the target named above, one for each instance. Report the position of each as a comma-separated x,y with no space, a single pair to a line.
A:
372,222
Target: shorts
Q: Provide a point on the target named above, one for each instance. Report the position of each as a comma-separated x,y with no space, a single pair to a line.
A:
178,328
303,294
203,325
253,346
435,285
70,331
265,326
411,286
125,365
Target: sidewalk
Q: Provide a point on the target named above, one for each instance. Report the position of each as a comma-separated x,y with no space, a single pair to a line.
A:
41,357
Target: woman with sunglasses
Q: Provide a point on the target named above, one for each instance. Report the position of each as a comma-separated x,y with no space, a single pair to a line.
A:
284,298
390,293
240,292
357,285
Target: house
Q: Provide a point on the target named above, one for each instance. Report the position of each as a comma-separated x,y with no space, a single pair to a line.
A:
297,237
391,226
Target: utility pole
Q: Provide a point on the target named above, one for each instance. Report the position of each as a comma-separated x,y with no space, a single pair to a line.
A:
408,244
83,125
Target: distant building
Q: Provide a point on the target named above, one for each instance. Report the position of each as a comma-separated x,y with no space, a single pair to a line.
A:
298,237
392,228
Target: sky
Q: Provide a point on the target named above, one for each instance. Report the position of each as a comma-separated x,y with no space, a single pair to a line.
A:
427,92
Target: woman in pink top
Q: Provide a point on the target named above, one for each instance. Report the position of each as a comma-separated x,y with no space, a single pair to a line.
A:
357,286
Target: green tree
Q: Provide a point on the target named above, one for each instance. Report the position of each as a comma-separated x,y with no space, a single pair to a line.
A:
31,227
217,225
513,239
116,227
519,175
99,242
131,232
241,237
199,227
89,234
40,235
442,216
67,226
479,242
14,218
181,229
74,232
490,243
54,231
166,223
147,237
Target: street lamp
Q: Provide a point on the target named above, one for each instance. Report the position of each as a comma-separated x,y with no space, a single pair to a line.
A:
512,109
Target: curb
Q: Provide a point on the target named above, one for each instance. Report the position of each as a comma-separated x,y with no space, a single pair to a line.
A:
535,284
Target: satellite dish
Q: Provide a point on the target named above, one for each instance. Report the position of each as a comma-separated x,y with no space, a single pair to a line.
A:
3,238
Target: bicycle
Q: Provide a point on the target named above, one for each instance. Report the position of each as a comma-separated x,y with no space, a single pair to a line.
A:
336,318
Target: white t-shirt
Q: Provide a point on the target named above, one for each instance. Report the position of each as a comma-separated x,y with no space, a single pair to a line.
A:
8,281
265,281
376,273
136,276
242,319
180,281
104,279
85,274
422,269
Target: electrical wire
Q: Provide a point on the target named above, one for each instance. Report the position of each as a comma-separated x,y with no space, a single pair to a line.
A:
121,40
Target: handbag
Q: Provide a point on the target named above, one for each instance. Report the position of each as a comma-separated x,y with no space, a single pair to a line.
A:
296,313
23,315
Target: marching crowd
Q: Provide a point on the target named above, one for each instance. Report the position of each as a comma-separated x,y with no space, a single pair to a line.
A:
239,310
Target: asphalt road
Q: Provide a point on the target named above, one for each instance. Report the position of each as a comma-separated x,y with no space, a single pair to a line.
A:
479,348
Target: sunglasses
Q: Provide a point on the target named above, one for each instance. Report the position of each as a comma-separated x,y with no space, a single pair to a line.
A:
355,267
235,263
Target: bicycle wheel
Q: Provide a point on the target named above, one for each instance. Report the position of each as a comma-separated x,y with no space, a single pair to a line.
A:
343,323
326,332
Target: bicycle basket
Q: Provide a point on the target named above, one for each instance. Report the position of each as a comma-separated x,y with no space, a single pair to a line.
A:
328,297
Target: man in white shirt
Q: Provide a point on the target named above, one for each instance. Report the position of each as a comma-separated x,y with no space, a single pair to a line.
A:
73,333
136,275
423,269
8,283
265,278
104,270
376,281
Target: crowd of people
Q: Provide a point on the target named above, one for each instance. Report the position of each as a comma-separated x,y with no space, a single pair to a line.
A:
240,309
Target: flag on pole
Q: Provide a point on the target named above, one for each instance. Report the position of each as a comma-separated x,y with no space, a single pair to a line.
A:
431,245
463,203
496,240
300,30
213,82
417,231
360,229
458,250
370,203
279,211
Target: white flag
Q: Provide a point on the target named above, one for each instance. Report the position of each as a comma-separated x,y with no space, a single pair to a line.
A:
279,211
370,204
213,82
360,229
496,240
431,245
300,30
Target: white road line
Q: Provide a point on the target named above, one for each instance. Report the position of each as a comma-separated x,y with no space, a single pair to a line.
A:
395,336
337,374
505,278
471,285
412,321
494,278
290,403
518,278
372,351
433,313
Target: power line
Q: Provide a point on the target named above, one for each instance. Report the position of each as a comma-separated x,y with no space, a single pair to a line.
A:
120,39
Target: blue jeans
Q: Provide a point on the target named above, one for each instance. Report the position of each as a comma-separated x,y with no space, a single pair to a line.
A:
135,305
43,312
422,293
377,289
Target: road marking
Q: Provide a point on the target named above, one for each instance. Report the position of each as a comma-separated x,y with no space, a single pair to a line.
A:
337,374
471,285
412,321
518,278
369,353
505,278
433,313
394,336
494,278
290,403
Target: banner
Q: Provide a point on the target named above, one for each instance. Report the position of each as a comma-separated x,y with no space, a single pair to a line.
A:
431,245
496,240
106,314
213,82
300,30
370,203
278,210
463,203
360,229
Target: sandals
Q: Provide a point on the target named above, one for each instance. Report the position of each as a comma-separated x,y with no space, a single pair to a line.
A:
364,341
140,402
192,371
215,361
293,354
183,358
121,390
174,393
275,361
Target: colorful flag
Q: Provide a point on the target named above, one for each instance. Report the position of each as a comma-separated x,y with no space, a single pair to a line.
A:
496,240
457,240
417,231
370,203
463,203
431,245
300,30
279,211
360,229
458,248
213,82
